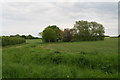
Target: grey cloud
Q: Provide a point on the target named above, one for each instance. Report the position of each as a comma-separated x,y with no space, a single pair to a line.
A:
33,17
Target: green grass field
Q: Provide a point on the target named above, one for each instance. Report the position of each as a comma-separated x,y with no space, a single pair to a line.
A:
85,59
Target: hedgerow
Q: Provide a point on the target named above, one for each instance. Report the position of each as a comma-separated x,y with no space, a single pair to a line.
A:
6,40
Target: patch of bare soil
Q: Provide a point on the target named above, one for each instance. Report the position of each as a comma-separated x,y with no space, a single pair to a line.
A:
18,47
46,47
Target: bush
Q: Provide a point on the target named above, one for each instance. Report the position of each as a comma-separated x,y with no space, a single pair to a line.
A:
6,40
52,34
49,35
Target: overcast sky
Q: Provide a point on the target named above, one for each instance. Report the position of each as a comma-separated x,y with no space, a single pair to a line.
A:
33,17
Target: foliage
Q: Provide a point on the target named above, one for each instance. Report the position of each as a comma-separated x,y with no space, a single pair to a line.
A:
25,37
68,35
52,34
49,35
82,31
6,40
30,37
87,31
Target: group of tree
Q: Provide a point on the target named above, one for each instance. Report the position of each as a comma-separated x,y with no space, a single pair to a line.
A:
24,36
82,31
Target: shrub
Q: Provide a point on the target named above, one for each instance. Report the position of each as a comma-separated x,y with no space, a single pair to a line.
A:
51,34
6,40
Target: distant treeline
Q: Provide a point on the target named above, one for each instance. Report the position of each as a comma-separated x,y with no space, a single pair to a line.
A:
24,36
82,31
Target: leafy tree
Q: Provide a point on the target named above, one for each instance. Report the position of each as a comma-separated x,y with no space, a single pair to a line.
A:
52,34
68,35
57,31
97,31
49,35
17,35
85,31
29,37
23,36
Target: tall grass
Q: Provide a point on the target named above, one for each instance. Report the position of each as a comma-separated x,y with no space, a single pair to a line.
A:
52,65
32,60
